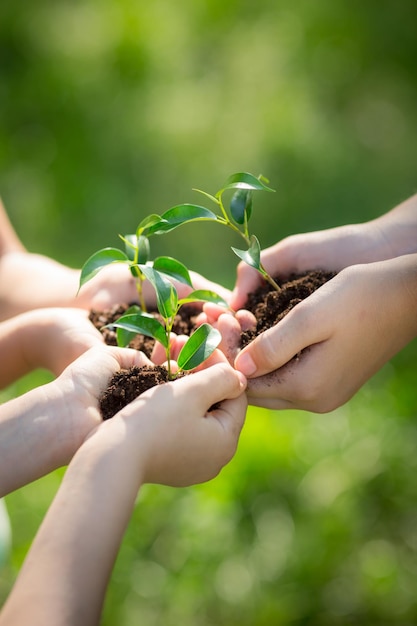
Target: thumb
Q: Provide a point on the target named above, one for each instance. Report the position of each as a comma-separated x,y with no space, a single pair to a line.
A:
276,346
248,279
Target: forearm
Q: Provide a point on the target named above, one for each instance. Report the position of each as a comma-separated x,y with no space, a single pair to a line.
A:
36,436
398,229
22,343
29,281
65,575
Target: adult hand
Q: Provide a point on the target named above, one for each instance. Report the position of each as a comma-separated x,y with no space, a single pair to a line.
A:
325,349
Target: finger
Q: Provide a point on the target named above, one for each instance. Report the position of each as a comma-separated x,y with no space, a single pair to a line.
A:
158,354
177,344
213,312
248,279
211,385
246,319
278,345
127,357
230,330
199,282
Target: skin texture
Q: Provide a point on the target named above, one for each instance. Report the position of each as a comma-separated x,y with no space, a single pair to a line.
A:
347,329
64,577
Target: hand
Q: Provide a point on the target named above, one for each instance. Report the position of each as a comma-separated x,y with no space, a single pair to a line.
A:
115,284
330,250
42,429
168,434
83,382
55,337
346,331
44,338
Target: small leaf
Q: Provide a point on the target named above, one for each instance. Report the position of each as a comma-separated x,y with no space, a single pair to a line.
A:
252,256
244,180
198,347
173,268
166,294
130,325
144,250
241,205
203,295
181,214
131,244
148,222
207,195
100,259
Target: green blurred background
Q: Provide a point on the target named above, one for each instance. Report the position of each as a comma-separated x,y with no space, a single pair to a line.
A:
113,110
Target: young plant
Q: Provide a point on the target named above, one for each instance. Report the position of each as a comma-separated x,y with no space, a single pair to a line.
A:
135,256
201,343
243,184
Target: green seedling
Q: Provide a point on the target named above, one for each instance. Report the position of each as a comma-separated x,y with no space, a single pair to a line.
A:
243,185
201,343
135,256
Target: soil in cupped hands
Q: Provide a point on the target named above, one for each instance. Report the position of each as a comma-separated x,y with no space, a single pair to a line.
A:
268,306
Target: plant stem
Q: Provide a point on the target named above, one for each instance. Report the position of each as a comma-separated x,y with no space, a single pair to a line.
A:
269,279
139,289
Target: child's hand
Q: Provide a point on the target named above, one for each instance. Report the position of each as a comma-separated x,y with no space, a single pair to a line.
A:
168,434
347,330
44,338
82,383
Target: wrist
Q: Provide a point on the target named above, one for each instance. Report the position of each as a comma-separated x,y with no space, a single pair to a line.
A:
398,229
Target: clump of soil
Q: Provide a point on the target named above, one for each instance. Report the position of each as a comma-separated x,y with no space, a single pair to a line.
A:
126,385
184,324
268,306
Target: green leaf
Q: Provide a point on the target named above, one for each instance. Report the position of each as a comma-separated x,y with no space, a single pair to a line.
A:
173,268
203,295
166,294
100,259
144,250
244,180
131,244
252,256
137,246
198,347
130,325
207,195
148,222
241,205
181,214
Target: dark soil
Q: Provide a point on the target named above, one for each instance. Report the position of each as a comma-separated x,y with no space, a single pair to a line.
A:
183,325
268,305
127,385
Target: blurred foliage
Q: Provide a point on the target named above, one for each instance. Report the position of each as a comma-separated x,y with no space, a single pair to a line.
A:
110,111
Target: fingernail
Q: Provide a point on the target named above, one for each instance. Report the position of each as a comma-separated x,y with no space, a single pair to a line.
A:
245,364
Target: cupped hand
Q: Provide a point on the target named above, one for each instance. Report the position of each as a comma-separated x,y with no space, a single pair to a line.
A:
330,344
179,441
82,383
115,284
329,250
58,336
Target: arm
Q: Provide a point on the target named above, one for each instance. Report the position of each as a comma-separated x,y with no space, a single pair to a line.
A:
46,338
42,429
165,436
